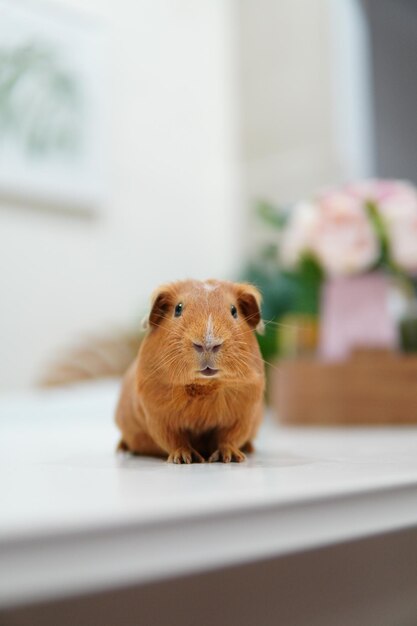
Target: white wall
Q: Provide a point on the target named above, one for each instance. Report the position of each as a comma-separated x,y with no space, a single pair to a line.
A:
288,136
352,88
172,180
212,105
304,95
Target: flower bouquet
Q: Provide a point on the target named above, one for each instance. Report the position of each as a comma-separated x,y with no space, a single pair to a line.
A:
350,255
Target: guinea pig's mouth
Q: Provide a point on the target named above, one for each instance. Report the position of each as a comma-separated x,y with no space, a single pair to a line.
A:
208,371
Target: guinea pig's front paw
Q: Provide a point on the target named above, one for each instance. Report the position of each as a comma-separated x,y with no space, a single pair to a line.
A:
185,455
226,454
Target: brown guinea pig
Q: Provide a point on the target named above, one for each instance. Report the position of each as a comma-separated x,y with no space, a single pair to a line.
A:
195,391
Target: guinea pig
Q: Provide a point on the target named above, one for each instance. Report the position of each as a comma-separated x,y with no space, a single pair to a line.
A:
195,390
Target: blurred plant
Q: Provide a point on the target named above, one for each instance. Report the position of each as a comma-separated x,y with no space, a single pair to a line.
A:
341,231
40,101
285,291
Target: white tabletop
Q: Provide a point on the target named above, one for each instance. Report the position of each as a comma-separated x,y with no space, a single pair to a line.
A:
76,516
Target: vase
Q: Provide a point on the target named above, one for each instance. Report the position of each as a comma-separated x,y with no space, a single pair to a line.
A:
355,314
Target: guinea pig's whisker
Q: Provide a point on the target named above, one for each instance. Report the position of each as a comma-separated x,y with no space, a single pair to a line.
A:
169,327
247,361
240,363
170,358
182,370
244,332
275,367
249,317
268,322
291,326
242,343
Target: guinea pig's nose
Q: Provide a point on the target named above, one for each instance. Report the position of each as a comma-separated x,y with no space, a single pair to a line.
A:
206,347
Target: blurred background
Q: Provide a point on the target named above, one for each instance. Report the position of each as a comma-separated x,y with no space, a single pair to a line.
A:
152,140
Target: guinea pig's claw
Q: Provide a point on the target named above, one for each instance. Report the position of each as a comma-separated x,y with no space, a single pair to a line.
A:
185,456
214,457
227,454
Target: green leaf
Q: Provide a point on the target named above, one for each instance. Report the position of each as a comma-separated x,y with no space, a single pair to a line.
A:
309,278
271,215
380,229
283,293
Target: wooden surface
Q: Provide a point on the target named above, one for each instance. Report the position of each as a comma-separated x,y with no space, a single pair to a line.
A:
372,387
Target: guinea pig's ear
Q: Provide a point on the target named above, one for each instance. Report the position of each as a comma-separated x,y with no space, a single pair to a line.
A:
249,300
160,302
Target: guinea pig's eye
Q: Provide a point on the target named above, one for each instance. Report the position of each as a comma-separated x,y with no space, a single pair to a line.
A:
178,310
233,311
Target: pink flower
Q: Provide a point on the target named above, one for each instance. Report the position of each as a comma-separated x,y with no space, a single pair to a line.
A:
336,230
396,202
399,212
403,238
345,242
